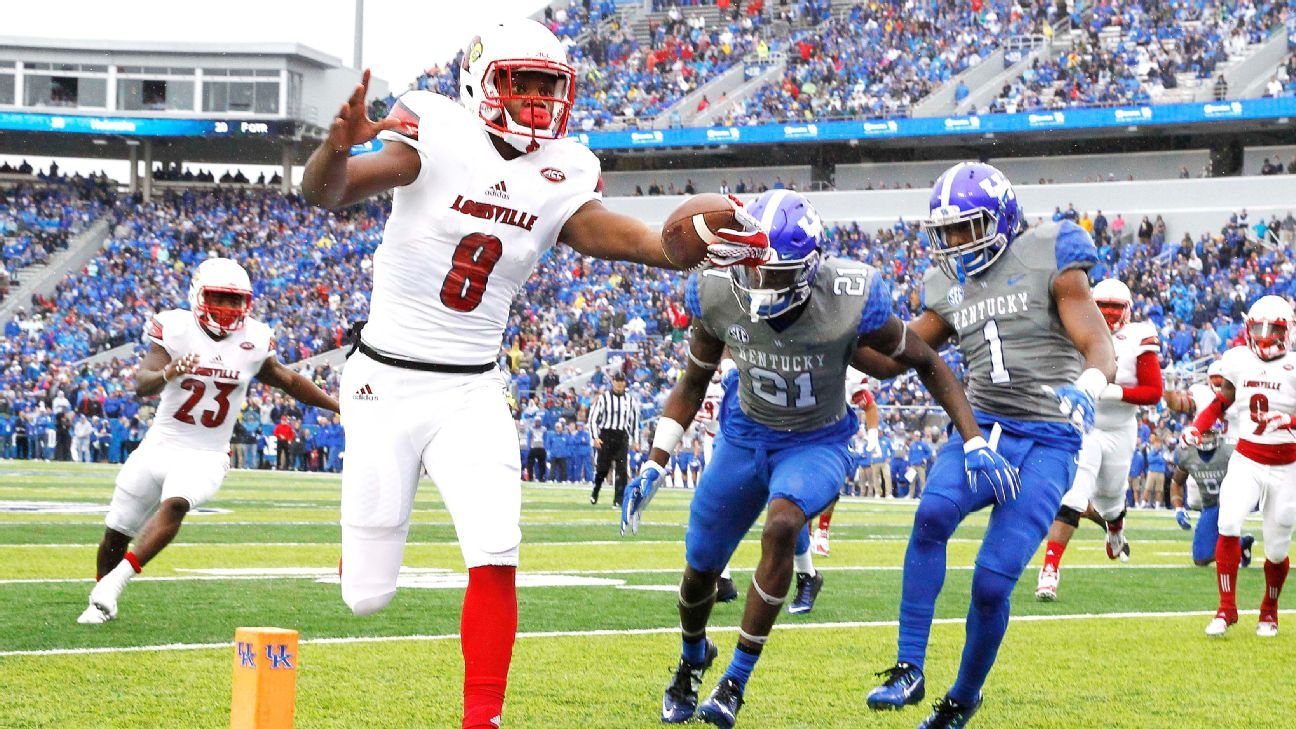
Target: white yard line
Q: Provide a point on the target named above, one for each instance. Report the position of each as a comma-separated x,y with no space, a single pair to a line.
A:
604,633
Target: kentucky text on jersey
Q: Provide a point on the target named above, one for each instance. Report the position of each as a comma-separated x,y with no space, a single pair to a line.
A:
791,362
996,306
488,211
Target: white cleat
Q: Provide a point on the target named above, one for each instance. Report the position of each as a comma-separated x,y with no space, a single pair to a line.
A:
1046,588
1217,627
1118,546
820,543
94,615
1267,629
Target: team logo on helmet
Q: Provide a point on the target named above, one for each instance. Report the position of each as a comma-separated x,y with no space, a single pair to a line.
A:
739,334
553,175
955,295
474,52
248,345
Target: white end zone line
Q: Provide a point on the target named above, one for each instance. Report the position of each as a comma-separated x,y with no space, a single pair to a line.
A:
604,633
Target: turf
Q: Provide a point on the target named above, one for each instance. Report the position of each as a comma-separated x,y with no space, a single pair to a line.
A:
1115,651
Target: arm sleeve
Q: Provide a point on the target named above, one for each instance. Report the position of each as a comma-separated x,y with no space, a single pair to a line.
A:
1210,414
1149,388
1074,248
877,308
693,298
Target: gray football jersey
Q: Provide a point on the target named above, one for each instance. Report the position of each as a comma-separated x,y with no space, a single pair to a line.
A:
795,379
1007,325
1208,474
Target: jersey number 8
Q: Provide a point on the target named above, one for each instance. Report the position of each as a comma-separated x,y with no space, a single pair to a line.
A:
471,265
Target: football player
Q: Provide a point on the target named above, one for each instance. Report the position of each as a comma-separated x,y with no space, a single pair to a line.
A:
1102,478
482,188
200,361
1038,355
1262,375
860,398
1202,468
792,324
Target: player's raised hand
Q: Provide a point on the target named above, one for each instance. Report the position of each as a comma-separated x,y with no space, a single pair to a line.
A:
179,366
352,125
1191,436
987,469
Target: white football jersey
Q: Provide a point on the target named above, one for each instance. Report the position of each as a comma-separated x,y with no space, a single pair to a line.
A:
1202,395
465,235
1133,340
708,414
1262,387
198,409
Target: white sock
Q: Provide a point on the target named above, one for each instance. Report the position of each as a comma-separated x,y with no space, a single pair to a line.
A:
114,582
803,564
725,574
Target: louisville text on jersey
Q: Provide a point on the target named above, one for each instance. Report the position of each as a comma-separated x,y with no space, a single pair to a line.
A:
498,213
993,306
215,373
1262,385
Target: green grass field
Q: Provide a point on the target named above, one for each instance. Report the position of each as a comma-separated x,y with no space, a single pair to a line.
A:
1123,647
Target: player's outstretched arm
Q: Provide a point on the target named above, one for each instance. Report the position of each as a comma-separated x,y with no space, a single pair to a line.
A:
928,327
1084,323
275,374
333,179
595,231
1224,399
157,369
686,397
913,352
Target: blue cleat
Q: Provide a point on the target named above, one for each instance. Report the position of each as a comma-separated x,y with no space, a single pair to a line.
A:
807,590
721,708
681,697
904,686
1247,542
950,714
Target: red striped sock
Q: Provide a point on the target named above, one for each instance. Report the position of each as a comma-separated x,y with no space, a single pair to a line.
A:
487,630
1228,555
1275,576
1053,555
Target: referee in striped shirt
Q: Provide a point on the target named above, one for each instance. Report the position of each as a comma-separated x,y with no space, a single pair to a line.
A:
614,423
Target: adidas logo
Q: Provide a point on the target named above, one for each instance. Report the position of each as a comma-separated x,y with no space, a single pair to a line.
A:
217,360
499,190
364,393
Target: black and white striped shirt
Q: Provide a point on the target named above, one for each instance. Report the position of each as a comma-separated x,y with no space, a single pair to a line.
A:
614,412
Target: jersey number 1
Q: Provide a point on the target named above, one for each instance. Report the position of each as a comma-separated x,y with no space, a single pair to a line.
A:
470,268
998,372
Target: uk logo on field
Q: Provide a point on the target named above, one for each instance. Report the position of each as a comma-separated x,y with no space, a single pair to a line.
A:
279,656
247,659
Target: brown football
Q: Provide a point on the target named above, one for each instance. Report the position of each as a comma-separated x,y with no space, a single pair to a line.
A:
681,241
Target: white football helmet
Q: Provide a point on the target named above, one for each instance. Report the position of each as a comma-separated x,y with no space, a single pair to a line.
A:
220,276
1268,323
485,82
1215,375
1114,301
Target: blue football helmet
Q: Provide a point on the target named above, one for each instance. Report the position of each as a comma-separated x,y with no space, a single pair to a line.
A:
795,232
976,202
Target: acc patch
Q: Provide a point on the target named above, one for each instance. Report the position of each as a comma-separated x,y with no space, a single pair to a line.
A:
248,345
739,334
553,175
473,53
955,295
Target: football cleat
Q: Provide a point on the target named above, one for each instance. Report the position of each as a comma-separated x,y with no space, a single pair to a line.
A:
681,697
94,615
1268,625
820,543
721,707
725,590
904,686
1047,586
1219,625
807,590
1118,547
1248,541
950,714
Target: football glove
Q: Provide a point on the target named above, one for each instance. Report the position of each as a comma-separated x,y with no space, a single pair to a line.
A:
746,247
874,443
638,493
986,468
1075,404
1191,436
1181,516
1271,422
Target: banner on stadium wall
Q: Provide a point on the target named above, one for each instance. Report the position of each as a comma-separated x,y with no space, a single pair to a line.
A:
144,126
1032,121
